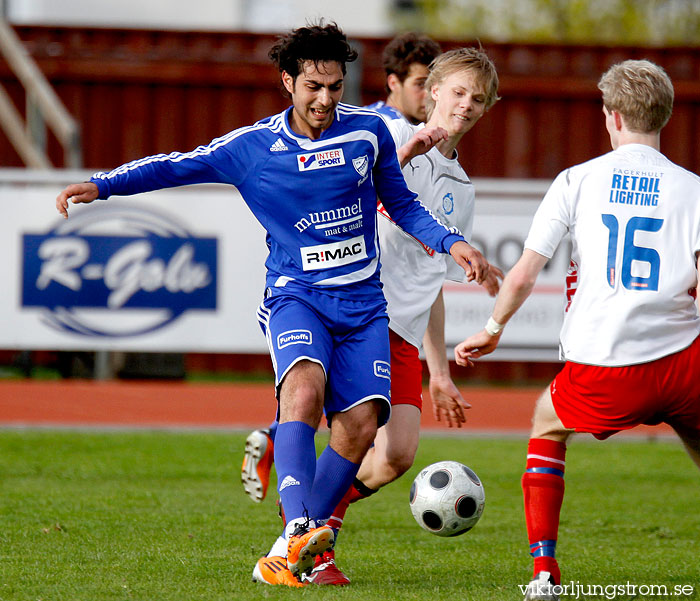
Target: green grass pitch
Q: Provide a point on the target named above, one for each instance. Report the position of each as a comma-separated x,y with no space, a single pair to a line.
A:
161,516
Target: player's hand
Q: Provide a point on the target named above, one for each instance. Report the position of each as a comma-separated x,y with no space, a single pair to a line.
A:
475,266
76,193
447,401
491,283
476,346
420,143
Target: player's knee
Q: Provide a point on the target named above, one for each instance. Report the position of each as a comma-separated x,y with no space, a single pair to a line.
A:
394,462
302,393
358,424
302,406
399,464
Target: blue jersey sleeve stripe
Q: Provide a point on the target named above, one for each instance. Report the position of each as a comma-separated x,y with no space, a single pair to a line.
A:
176,157
274,125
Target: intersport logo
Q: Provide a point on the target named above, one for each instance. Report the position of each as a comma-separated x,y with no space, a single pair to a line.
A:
105,262
321,160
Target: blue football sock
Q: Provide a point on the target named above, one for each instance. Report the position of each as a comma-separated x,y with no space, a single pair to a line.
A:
295,462
334,475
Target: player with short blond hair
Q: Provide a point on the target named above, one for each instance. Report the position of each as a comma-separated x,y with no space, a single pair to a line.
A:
630,335
473,60
638,90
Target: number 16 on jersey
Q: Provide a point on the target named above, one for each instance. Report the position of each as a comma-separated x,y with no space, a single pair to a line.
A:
632,252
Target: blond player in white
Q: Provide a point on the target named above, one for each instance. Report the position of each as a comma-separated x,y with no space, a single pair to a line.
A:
461,86
630,335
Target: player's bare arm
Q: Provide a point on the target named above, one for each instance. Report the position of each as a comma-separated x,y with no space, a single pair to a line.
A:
76,193
475,265
420,143
445,396
517,286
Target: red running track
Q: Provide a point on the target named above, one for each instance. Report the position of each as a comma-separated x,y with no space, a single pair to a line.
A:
87,403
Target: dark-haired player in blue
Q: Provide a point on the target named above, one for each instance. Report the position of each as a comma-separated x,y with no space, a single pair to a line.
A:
406,59
311,176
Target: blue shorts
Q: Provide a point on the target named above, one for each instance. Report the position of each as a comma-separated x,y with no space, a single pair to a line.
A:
348,338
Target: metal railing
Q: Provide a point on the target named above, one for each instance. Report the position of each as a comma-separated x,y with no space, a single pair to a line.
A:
44,107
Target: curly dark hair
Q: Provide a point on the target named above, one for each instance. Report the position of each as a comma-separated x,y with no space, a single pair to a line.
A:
406,49
315,42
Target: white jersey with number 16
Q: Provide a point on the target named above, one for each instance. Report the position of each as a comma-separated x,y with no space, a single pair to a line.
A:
634,220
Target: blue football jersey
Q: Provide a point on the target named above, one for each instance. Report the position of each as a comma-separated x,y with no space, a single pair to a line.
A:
316,199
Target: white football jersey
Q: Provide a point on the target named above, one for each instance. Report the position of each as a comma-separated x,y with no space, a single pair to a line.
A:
413,273
634,220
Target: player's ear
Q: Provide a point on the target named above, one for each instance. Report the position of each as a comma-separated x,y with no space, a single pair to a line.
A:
288,82
393,82
618,120
434,91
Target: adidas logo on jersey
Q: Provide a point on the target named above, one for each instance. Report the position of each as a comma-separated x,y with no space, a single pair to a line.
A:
278,146
288,481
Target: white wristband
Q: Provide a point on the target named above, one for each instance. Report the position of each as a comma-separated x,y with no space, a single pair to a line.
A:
493,327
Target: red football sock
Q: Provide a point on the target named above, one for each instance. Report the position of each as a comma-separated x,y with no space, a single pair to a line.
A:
356,492
543,492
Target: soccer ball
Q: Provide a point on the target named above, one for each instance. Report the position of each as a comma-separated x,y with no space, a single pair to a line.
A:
447,498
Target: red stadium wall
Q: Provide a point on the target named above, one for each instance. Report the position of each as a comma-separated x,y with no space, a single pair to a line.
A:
138,92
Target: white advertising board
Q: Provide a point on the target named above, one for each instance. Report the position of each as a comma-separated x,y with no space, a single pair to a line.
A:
182,270
171,271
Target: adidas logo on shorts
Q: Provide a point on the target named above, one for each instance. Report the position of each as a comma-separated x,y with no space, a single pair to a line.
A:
278,146
288,481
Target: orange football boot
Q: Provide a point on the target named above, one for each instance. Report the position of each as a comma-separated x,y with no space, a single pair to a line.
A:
305,544
273,570
257,461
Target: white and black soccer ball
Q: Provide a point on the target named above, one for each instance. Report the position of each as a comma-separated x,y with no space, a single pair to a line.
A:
447,498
